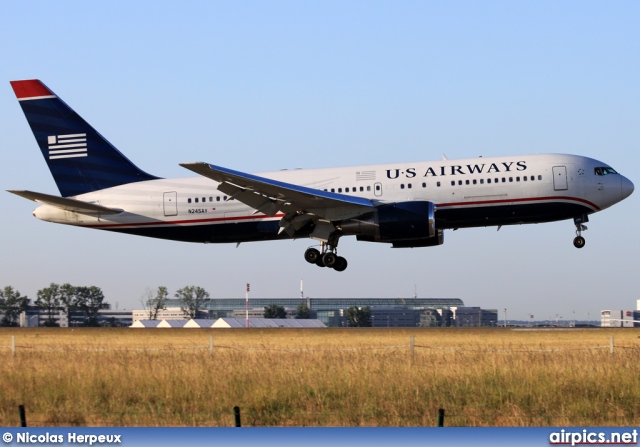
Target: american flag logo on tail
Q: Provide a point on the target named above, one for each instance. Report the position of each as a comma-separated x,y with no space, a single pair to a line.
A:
67,146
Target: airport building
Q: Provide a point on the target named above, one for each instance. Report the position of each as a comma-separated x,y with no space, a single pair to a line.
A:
620,318
332,311
475,317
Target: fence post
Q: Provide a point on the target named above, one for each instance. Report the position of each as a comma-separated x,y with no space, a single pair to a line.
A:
23,416
440,417
412,345
211,344
611,346
236,414
13,346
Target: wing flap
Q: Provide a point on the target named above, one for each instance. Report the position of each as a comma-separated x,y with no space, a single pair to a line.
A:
66,203
260,203
262,193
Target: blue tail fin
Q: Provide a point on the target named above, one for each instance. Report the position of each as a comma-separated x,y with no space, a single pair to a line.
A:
80,159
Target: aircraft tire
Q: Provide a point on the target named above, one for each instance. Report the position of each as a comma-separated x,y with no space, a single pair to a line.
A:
329,259
340,265
578,242
311,255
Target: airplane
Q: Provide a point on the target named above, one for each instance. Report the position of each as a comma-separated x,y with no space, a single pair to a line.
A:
402,204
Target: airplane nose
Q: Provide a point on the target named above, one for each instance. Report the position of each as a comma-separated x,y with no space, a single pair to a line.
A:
626,187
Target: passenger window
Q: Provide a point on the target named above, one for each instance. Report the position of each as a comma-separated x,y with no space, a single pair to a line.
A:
488,180
539,177
510,179
224,198
453,183
361,189
409,186
377,187
460,182
504,180
196,200
532,178
339,189
333,190
188,200
475,182
517,179
482,181
346,190
424,185
401,185
467,182
368,188
524,178
217,198
438,184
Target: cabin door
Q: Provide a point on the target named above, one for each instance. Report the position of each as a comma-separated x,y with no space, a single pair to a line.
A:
560,178
171,203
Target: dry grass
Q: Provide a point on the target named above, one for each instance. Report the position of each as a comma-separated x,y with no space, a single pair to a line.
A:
328,377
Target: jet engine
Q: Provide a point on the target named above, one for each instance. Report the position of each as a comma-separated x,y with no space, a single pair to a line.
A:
404,224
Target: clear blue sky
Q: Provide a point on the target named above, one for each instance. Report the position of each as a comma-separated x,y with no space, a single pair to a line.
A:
258,86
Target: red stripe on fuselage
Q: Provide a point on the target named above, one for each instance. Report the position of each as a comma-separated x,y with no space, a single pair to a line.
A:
264,216
183,222
30,89
506,201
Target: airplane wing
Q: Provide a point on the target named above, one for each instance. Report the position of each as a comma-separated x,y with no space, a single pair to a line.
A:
68,204
270,196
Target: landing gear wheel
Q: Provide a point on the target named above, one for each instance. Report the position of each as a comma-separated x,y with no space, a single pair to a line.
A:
578,242
319,262
340,265
311,255
329,259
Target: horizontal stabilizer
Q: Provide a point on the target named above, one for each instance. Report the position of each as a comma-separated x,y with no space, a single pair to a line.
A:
67,204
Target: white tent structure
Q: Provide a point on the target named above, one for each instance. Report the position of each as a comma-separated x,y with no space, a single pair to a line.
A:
145,324
267,323
171,324
199,323
230,323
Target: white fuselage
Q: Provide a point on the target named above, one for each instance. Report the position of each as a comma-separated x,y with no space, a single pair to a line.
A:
467,193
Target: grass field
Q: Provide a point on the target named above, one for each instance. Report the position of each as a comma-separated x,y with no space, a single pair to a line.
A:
323,377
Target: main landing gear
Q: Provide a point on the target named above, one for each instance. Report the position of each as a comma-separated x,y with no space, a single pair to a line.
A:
579,241
325,258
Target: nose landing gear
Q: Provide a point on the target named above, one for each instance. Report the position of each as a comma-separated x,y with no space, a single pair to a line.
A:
579,241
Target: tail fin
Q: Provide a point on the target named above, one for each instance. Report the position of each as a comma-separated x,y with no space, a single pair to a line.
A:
79,158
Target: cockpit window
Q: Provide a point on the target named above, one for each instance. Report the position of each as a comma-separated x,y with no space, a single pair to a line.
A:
604,171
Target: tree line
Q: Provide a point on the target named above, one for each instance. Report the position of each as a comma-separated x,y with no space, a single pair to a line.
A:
193,300
90,300
70,299
275,311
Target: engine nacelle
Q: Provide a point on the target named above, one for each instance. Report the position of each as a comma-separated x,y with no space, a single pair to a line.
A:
396,222
415,243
